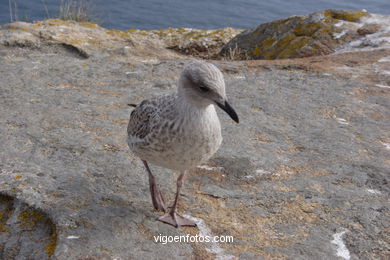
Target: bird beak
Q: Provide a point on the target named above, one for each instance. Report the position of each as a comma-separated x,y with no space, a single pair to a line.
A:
229,110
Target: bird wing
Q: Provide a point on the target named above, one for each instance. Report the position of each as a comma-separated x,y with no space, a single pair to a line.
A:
147,115
140,120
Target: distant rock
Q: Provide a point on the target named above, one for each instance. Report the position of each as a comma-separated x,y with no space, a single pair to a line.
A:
195,42
369,29
199,43
301,36
86,39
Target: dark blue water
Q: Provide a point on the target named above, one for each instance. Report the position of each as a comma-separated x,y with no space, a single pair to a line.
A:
207,14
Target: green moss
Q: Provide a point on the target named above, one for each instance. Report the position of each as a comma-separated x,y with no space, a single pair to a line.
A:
29,217
287,42
50,248
279,46
328,16
182,30
293,47
121,34
268,42
270,48
350,16
308,29
324,33
88,24
256,51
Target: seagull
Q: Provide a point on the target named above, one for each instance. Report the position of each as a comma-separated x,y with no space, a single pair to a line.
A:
180,131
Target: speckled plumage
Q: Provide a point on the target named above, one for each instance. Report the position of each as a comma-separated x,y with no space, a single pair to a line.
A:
167,132
180,130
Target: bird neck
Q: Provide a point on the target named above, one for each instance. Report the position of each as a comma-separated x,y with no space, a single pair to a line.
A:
196,114
187,104
192,100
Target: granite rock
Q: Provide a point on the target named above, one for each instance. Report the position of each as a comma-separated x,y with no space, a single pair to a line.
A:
308,161
304,35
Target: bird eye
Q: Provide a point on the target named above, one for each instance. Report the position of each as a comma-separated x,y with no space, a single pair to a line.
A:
204,89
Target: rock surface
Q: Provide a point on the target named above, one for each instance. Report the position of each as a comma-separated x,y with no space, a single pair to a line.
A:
309,160
305,35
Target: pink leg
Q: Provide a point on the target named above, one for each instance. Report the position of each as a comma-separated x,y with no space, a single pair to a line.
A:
172,218
157,198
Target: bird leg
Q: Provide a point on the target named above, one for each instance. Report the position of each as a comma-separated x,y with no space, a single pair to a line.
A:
172,217
157,198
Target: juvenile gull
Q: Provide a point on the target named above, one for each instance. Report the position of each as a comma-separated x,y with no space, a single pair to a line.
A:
180,131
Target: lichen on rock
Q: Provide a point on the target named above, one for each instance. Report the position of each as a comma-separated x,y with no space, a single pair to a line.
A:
297,36
25,231
200,43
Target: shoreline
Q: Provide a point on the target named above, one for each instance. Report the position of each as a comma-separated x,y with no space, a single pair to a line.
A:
87,39
304,174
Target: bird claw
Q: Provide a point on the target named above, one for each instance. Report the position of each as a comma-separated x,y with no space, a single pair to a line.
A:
176,220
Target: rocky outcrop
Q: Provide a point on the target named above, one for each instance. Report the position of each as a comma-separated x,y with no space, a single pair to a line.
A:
303,175
299,36
302,36
204,44
86,39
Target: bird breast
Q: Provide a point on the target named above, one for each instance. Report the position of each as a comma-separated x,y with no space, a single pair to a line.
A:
185,142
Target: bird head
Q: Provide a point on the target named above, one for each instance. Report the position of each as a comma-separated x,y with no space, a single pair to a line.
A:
202,84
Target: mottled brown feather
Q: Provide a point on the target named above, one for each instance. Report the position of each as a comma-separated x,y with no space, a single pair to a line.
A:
145,117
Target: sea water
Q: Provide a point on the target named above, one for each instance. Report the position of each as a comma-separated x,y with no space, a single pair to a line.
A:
203,14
